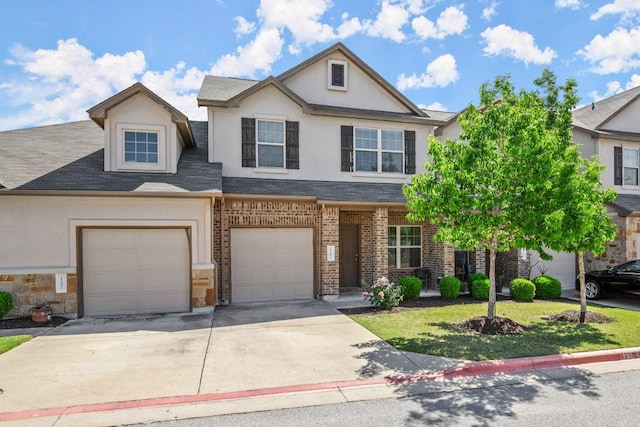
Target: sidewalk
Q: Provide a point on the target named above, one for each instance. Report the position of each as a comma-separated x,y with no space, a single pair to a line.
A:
382,371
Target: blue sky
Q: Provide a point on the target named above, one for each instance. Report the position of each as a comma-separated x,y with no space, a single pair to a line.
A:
60,57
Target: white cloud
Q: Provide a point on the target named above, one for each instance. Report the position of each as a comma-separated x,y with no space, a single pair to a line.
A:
243,27
568,4
615,87
300,17
490,12
257,55
434,106
451,21
628,8
506,41
617,52
59,85
349,26
388,23
441,72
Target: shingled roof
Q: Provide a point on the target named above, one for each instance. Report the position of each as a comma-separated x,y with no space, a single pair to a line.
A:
596,115
321,190
70,157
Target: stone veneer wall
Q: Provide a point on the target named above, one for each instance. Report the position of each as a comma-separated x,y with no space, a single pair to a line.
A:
29,290
203,288
624,247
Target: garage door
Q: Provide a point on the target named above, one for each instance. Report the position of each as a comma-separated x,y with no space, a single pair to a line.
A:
134,271
271,264
562,267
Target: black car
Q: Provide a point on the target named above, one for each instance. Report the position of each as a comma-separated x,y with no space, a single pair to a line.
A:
622,276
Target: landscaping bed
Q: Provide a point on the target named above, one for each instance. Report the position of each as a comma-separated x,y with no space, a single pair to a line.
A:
26,322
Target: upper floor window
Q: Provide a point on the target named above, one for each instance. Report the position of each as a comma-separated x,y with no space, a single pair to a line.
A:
140,147
630,165
405,247
378,150
270,140
337,74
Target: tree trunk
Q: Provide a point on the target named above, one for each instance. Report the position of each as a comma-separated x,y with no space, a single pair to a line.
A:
583,294
491,309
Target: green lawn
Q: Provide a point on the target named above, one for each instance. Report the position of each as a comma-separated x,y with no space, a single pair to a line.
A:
7,343
431,331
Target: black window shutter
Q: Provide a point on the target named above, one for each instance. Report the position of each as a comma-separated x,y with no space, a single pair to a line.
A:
337,75
617,165
409,152
346,145
293,145
248,142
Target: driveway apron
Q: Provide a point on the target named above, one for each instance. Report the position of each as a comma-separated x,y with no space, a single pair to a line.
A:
249,347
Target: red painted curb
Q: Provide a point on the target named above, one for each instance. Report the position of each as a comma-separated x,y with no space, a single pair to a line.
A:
471,369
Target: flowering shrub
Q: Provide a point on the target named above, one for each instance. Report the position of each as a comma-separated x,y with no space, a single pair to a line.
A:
383,294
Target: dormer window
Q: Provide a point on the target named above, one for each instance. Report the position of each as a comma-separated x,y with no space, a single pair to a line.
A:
338,74
141,147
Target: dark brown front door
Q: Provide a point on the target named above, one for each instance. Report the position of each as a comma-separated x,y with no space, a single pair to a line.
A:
349,256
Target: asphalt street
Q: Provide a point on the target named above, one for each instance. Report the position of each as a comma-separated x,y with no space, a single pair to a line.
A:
587,399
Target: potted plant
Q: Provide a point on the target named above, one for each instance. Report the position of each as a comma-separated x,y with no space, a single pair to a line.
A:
41,313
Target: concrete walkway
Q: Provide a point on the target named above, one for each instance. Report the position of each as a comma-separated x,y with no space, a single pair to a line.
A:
244,358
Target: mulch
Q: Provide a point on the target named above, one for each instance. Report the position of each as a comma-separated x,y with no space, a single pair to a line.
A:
498,326
26,322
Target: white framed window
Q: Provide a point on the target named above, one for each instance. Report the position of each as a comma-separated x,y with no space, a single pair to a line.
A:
141,147
379,150
337,74
405,246
630,166
270,140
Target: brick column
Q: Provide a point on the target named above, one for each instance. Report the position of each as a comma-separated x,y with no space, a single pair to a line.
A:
380,242
449,259
330,236
479,260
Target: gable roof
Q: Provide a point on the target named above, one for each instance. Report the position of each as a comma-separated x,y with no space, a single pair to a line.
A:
595,116
70,157
229,92
99,112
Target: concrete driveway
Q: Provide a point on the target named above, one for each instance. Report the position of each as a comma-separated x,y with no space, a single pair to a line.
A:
241,347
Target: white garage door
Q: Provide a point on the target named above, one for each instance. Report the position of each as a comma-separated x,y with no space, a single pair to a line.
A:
271,264
133,271
562,267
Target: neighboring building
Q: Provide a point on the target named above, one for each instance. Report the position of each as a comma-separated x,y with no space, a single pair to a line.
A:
610,129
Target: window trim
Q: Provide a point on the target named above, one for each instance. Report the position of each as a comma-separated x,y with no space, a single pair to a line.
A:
399,246
345,74
282,145
637,167
121,128
379,151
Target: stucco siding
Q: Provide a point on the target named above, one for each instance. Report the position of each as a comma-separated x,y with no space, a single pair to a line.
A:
319,140
39,232
626,120
363,92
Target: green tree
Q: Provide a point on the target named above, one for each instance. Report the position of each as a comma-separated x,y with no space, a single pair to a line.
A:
490,188
576,220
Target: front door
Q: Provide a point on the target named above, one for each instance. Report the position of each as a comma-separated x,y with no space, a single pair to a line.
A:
349,256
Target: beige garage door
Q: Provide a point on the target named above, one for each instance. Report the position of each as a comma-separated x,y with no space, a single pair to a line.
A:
134,271
271,264
562,267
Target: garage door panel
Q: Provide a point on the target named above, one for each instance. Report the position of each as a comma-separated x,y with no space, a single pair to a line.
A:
562,267
271,264
130,271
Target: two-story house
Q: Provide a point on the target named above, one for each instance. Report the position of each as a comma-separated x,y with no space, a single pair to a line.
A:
290,190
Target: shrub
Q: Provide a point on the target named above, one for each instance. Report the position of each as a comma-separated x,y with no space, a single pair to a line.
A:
410,287
383,294
6,303
476,276
522,289
547,287
449,287
480,289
